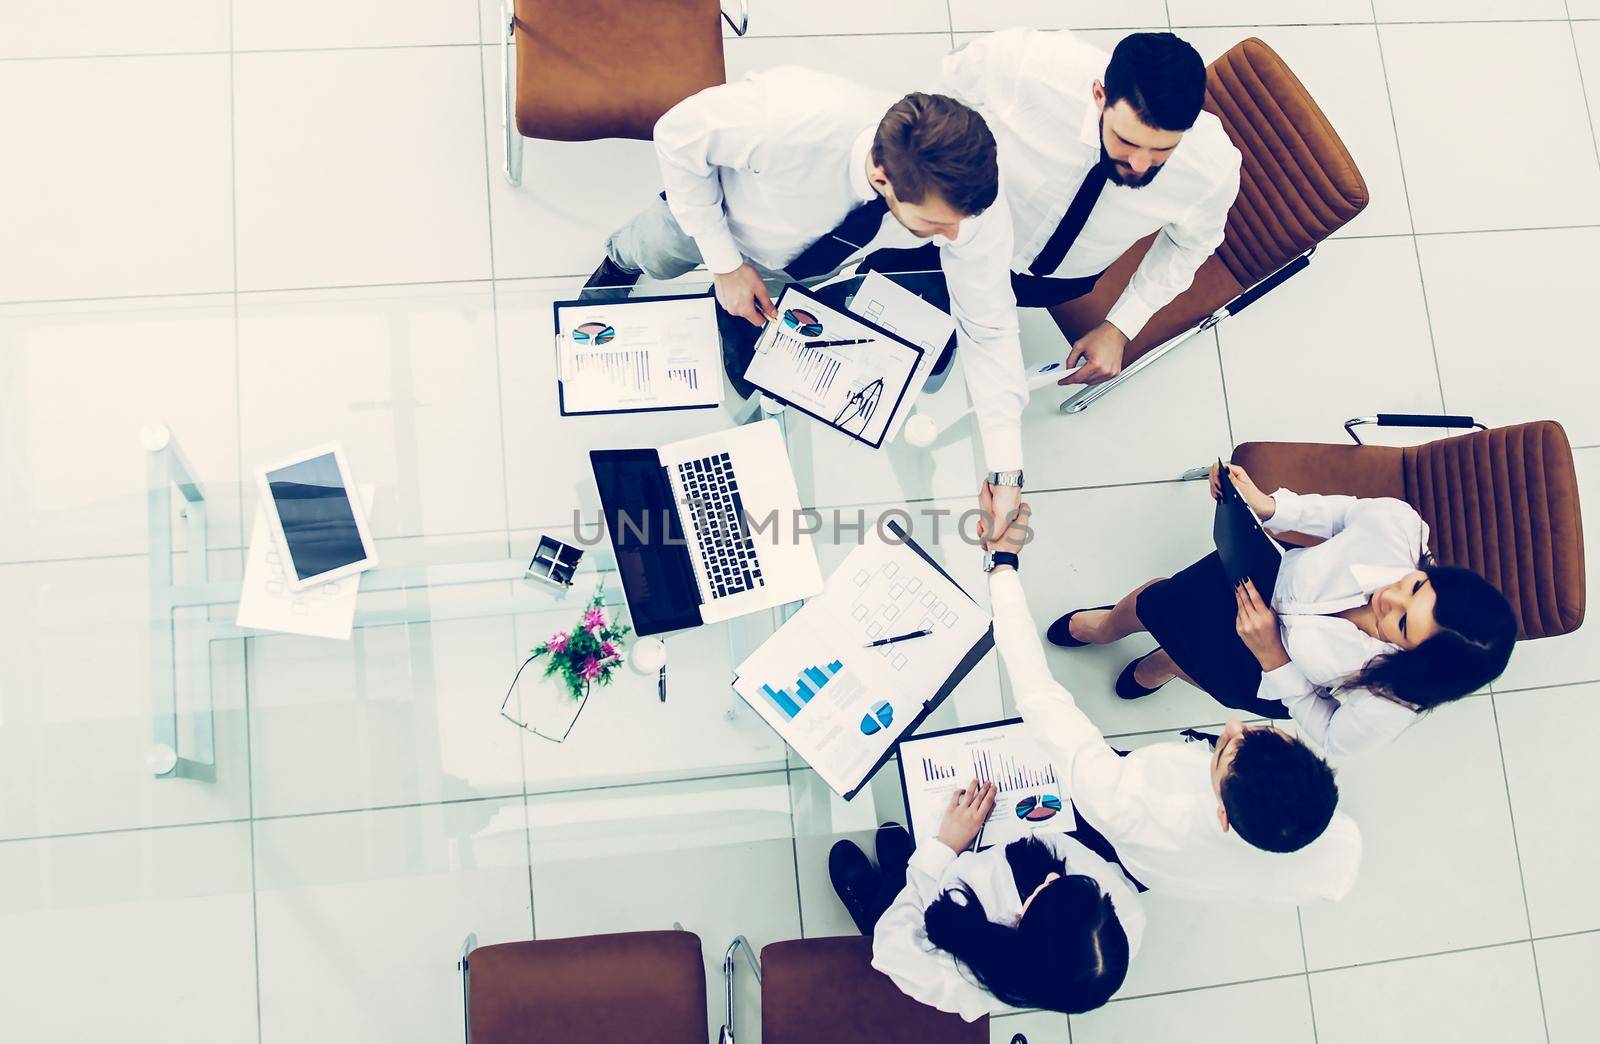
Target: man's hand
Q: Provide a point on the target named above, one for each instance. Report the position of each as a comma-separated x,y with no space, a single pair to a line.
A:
1101,352
965,814
1257,625
1017,533
1261,503
742,293
999,505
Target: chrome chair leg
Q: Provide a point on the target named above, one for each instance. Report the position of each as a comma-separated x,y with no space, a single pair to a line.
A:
508,95
739,942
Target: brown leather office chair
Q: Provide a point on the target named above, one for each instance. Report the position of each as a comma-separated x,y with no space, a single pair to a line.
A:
825,991
630,988
1500,501
588,69
1297,186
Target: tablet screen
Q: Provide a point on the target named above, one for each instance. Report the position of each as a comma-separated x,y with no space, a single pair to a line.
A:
319,524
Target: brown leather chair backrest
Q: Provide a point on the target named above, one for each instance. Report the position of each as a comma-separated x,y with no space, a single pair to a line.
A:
589,69
1502,502
1297,186
629,988
825,991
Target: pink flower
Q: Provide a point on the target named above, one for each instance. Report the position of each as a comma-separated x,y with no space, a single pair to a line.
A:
594,618
590,669
557,642
607,650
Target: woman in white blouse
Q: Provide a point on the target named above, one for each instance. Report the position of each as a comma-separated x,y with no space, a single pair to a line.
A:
1361,635
1042,922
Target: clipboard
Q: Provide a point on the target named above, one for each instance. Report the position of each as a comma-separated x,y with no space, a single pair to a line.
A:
1243,543
957,676
713,373
901,726
1061,818
796,300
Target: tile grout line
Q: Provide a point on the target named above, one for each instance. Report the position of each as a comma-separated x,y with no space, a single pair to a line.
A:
238,432
1305,965
500,406
1583,86
1411,218
18,302
1516,849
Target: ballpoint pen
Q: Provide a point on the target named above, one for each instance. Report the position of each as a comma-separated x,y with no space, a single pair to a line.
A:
899,638
661,684
840,344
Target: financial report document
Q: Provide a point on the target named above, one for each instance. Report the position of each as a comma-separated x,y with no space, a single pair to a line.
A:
1029,797
638,354
834,366
839,703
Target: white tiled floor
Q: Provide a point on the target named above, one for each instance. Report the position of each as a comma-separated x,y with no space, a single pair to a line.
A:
271,223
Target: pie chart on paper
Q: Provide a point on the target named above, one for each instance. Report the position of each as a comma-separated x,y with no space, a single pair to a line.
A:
1038,808
881,716
802,322
594,333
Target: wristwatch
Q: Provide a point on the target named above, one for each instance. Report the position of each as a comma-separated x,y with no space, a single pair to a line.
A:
1006,478
1000,558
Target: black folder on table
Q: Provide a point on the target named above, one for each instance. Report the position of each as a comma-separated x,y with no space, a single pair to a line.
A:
1246,548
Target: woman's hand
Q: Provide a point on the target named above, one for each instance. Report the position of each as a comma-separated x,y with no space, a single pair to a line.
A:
1257,625
1261,503
965,814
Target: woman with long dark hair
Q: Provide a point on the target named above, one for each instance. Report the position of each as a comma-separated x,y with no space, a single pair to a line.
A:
1041,922
1362,635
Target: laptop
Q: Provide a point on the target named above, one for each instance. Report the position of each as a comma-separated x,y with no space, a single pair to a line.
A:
706,529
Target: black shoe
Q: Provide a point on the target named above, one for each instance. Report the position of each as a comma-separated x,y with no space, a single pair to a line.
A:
855,882
739,338
1060,632
894,854
1129,689
608,282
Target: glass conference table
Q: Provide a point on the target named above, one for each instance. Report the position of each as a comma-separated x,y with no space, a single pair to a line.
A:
135,700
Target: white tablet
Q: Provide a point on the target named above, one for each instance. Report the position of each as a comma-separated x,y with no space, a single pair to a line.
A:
317,522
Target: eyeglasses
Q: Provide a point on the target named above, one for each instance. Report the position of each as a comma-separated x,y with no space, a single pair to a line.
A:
515,717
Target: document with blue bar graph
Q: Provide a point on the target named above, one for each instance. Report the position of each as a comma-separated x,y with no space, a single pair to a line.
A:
843,702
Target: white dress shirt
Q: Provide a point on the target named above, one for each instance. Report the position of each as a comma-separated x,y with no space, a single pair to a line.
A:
1156,806
1033,88
1371,543
900,946
762,168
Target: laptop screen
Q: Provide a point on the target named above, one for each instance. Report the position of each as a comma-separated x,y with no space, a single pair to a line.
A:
642,522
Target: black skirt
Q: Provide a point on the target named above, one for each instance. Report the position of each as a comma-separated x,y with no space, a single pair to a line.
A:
1192,615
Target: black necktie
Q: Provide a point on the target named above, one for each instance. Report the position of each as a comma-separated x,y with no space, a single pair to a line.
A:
858,228
1060,241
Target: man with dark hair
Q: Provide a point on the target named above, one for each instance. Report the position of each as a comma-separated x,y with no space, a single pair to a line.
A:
790,174
1276,794
1252,816
1096,153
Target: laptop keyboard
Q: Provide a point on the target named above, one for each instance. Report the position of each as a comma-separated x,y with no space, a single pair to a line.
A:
717,514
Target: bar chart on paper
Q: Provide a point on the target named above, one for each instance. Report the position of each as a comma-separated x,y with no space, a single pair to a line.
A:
792,700
1028,794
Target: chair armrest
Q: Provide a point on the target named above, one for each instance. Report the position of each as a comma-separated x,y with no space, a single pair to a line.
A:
1413,420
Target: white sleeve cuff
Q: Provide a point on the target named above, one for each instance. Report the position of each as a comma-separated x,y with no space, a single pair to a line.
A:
1002,448
1285,684
931,857
719,251
1286,516
1130,314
